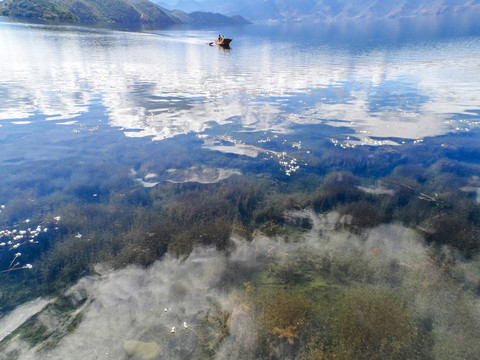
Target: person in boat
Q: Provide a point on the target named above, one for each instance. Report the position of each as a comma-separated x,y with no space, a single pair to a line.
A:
219,38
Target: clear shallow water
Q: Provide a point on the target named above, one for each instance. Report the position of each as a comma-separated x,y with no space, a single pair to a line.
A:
94,123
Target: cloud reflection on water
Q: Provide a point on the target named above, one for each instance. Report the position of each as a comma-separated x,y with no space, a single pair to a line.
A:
161,86
136,306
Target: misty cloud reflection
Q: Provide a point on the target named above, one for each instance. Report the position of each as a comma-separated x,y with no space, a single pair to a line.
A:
163,310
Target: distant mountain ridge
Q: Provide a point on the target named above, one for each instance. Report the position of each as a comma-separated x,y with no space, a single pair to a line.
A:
327,10
128,12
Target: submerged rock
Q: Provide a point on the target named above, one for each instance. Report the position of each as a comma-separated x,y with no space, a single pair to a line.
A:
202,175
142,350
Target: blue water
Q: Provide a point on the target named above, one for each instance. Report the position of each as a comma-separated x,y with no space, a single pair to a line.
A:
167,83
92,105
95,123
96,106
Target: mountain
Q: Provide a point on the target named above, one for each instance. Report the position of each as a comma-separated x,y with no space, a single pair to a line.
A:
210,12
125,12
327,10
207,18
381,9
43,9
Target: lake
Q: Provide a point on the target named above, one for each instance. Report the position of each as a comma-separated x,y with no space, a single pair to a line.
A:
162,198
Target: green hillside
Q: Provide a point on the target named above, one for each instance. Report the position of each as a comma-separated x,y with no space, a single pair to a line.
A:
83,10
207,18
35,9
117,11
135,12
156,14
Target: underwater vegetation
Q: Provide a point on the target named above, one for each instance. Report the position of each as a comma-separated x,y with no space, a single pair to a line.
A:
365,254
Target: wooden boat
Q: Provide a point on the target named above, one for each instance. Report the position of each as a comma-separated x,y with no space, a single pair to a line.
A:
223,42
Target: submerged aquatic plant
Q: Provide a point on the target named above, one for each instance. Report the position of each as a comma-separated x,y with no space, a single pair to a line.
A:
13,238
16,265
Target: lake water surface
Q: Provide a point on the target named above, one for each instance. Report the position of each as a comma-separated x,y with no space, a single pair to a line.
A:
98,126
